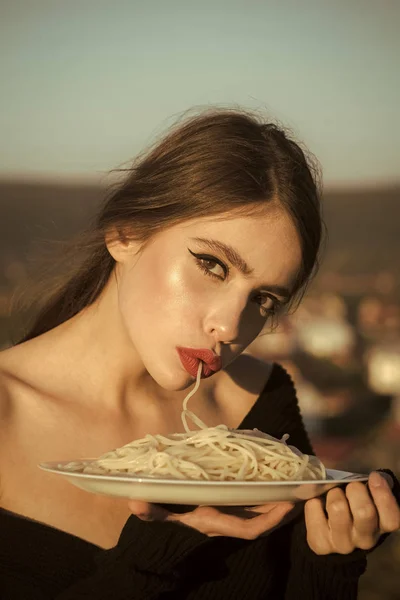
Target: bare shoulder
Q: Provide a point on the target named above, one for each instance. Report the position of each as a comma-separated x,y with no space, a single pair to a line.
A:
5,391
18,381
6,413
19,366
13,379
250,373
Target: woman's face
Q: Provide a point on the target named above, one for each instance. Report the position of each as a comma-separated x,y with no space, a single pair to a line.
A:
207,283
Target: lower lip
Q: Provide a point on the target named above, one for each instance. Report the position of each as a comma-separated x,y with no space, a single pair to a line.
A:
191,365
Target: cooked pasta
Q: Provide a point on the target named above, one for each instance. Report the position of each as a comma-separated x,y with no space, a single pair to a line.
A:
209,454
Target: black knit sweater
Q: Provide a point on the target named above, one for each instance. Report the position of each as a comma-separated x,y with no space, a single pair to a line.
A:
155,560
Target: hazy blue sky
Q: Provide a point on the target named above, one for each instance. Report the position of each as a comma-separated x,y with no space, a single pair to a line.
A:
88,83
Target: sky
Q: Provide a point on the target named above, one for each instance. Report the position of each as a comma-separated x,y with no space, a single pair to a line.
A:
87,84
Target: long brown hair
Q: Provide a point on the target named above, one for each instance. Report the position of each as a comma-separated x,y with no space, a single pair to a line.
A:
217,162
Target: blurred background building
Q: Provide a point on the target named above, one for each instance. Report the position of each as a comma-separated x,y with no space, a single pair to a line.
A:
86,85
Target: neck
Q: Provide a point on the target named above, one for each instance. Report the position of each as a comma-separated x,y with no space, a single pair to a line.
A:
102,364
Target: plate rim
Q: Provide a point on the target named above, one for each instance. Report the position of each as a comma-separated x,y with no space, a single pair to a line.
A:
56,467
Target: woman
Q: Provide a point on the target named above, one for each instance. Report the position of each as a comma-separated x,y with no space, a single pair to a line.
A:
212,235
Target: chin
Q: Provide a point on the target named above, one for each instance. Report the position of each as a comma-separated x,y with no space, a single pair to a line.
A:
177,386
174,381
181,388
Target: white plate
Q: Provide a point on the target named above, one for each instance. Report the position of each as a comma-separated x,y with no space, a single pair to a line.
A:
214,493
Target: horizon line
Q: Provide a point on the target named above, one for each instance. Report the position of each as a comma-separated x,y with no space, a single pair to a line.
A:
64,180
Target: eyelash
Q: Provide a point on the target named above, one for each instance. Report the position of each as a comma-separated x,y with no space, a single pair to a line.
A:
199,258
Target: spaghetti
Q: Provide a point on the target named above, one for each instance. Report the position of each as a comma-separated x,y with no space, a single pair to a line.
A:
209,454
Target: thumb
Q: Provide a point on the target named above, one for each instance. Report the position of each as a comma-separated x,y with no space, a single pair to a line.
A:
280,507
279,515
146,511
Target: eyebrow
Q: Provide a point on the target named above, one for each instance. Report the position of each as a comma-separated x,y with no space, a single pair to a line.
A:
239,263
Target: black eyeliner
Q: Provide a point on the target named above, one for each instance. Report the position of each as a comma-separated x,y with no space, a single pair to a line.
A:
201,256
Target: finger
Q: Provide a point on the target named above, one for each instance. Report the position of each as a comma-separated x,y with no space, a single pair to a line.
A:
210,521
387,478
146,511
385,502
249,512
293,511
340,521
318,534
364,514
266,508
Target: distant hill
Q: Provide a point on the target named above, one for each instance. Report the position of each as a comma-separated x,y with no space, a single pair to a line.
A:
364,230
364,225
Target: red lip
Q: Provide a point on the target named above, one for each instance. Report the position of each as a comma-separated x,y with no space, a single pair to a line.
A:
190,358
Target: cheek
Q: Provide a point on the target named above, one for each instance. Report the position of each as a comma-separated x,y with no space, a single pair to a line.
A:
183,296
154,294
141,294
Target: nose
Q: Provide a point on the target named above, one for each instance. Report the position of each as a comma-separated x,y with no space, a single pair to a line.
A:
226,321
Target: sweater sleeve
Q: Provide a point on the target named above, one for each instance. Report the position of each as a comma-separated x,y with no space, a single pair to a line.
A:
312,576
147,562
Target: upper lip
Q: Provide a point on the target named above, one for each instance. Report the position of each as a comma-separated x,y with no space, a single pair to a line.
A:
213,361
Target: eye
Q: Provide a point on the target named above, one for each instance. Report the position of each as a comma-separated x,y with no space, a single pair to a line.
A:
269,304
210,265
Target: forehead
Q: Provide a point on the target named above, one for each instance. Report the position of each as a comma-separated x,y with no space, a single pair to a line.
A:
251,234
268,242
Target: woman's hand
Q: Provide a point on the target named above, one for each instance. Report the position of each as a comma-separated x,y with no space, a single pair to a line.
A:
245,523
353,518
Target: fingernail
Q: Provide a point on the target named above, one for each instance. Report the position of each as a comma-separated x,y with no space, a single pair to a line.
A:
375,480
145,517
